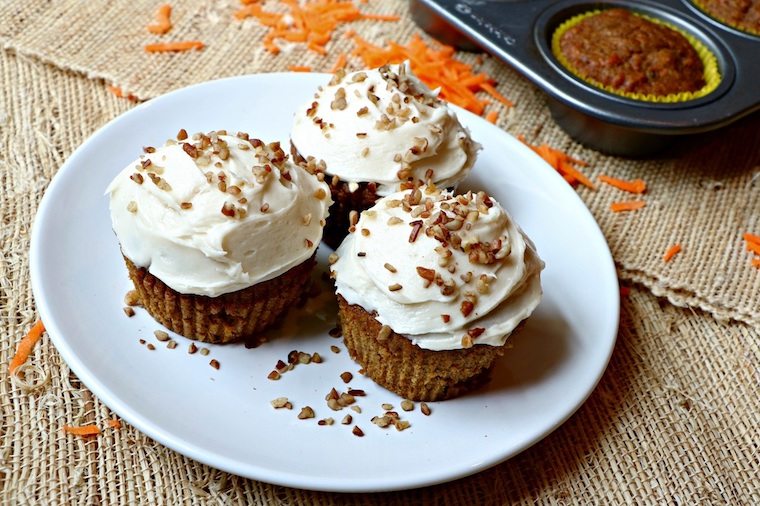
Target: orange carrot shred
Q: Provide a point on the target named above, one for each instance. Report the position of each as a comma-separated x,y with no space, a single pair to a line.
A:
26,346
165,47
617,207
84,430
751,238
119,93
312,21
339,63
163,20
495,94
114,423
756,262
754,247
671,252
492,116
299,68
637,186
561,162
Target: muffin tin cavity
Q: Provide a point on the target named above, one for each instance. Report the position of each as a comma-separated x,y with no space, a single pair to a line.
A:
741,16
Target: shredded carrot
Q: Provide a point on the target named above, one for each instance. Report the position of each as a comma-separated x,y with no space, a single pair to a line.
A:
165,47
312,22
492,116
26,346
671,252
299,68
751,238
562,163
84,430
754,247
633,205
163,20
381,17
485,86
119,93
114,423
756,262
436,66
339,63
637,186
625,291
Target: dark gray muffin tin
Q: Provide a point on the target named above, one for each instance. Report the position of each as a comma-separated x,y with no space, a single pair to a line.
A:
520,31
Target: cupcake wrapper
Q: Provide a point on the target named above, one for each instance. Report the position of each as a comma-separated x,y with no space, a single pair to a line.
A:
709,61
408,370
235,316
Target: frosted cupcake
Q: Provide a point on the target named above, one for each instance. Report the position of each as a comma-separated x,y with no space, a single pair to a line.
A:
218,233
374,132
430,286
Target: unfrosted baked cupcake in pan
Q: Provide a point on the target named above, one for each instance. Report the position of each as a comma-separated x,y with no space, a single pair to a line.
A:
636,56
430,286
218,233
743,15
374,132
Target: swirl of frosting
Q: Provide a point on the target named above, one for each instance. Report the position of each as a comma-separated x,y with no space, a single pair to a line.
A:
384,126
446,271
217,213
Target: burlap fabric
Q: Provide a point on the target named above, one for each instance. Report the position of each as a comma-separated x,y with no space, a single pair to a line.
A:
674,420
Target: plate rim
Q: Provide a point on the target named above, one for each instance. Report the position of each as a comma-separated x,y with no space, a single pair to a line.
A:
251,470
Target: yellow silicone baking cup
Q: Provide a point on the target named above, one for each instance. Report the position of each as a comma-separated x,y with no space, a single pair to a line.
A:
742,28
709,62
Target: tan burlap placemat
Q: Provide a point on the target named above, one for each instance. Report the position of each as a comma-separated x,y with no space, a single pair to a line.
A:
704,195
674,420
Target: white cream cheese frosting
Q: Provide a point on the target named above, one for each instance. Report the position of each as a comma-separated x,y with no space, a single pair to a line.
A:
384,126
217,213
445,271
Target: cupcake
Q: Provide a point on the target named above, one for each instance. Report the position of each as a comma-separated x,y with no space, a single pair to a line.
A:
218,233
374,132
743,15
636,56
430,286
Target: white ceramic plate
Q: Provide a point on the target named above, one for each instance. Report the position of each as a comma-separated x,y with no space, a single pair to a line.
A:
223,417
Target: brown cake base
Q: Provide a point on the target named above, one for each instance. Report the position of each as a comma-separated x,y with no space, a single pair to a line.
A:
235,316
344,201
408,370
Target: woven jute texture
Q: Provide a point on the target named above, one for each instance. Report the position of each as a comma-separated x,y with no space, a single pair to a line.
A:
703,194
674,420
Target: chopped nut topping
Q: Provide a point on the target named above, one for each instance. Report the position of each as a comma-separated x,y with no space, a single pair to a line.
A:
365,232
308,243
214,363
171,344
416,227
395,287
306,219
334,349
326,421
186,205
316,358
228,209
320,193
425,409
356,392
384,333
151,347
192,349
132,298
281,402
132,207
426,274
394,220
446,318
346,376
161,335
182,135
466,341
357,431
347,420
274,376
306,412
264,207
332,258
390,267
407,405
204,351
365,152
356,409
137,178
191,150
362,111
466,308
129,311
387,406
